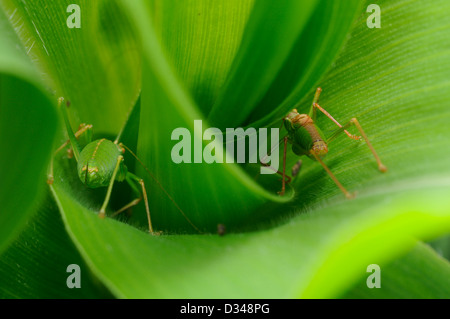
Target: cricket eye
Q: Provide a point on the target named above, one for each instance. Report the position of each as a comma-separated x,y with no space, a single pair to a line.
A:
293,114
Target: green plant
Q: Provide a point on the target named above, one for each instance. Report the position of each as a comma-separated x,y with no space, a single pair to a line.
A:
231,64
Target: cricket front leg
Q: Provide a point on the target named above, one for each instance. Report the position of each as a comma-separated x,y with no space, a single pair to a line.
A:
335,180
84,128
285,178
283,181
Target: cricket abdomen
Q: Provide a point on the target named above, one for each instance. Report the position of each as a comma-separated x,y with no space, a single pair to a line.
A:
318,146
306,137
97,163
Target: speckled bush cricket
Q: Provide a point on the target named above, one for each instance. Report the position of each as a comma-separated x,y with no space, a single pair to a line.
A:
100,163
307,139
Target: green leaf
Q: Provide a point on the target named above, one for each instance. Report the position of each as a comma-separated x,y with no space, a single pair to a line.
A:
27,129
35,266
310,57
336,236
201,42
419,274
83,68
181,111
393,79
442,246
270,34
161,87
300,259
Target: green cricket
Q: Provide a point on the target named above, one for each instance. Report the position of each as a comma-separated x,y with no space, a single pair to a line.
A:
100,163
307,139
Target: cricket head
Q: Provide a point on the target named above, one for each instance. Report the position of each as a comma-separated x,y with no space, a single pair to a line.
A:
319,148
90,176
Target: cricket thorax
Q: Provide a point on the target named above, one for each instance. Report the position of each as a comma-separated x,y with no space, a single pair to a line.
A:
300,119
315,145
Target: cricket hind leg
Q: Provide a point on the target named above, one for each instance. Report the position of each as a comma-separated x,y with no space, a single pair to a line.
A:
312,112
343,128
132,180
381,167
137,193
161,187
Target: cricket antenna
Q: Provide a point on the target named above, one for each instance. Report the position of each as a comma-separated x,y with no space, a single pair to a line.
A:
160,185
